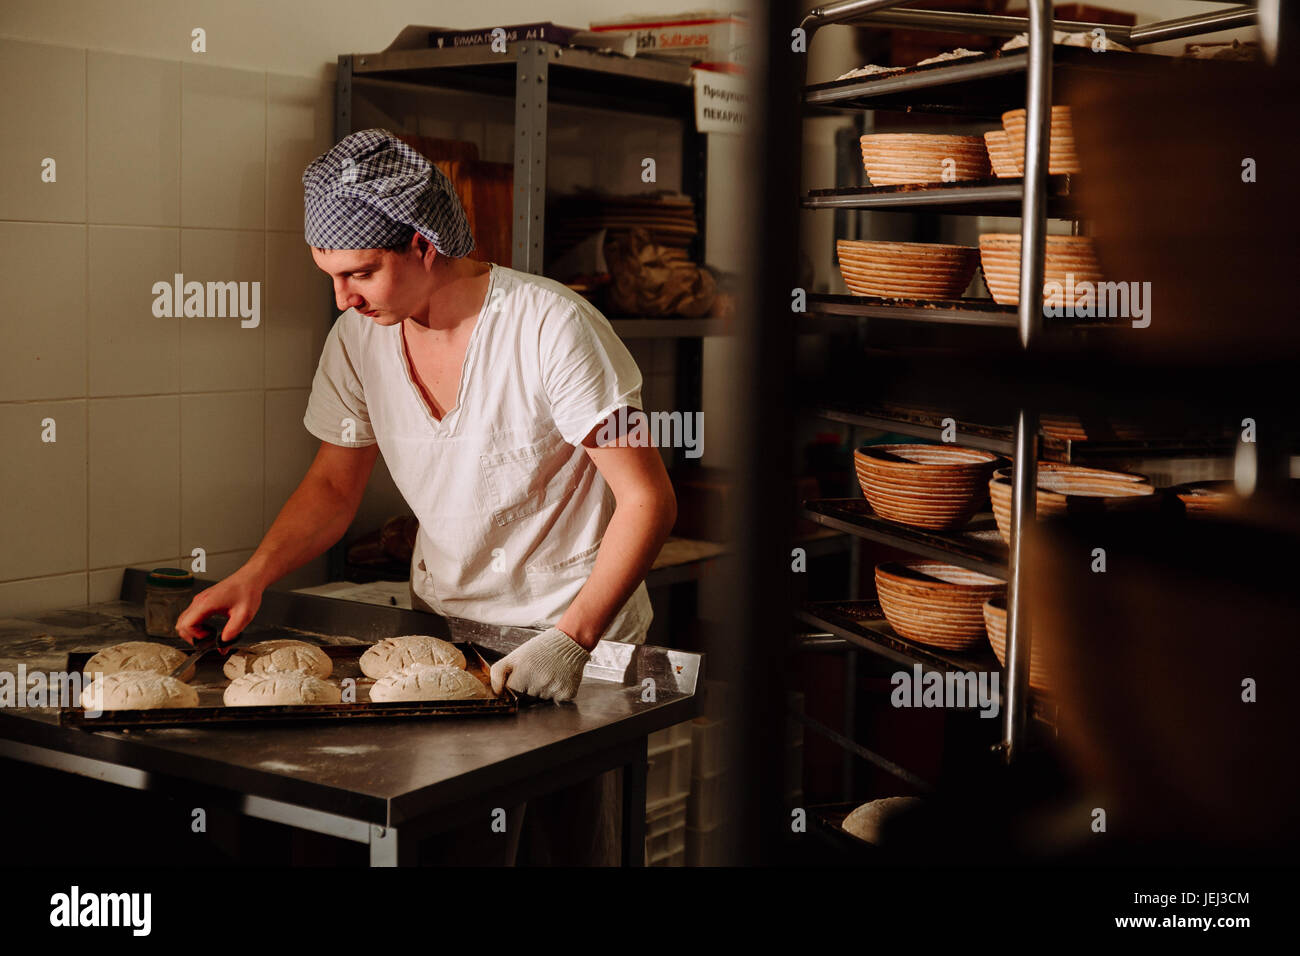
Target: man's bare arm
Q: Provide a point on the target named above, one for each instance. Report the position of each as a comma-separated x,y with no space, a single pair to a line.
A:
644,514
313,519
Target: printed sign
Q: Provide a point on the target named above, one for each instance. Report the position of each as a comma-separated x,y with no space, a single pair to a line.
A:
721,101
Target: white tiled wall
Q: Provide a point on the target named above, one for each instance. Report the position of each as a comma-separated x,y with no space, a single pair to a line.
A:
169,434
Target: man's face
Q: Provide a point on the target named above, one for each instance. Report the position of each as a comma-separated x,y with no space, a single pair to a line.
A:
387,286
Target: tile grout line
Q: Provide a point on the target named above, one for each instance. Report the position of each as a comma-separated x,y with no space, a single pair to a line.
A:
142,225
164,394
266,277
180,348
85,150
114,567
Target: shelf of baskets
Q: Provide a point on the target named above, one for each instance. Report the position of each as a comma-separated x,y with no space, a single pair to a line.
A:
1017,268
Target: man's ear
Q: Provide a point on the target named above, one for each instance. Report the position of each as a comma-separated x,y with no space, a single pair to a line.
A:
423,248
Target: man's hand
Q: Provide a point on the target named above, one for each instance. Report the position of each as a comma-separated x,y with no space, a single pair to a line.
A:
238,597
314,517
547,666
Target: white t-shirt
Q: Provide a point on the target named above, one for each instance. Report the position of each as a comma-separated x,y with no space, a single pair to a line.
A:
511,508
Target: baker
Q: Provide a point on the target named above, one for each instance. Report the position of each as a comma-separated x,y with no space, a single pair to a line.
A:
485,388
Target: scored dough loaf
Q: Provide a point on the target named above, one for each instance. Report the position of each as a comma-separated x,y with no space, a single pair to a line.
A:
394,653
137,690
280,687
143,656
866,821
428,682
268,657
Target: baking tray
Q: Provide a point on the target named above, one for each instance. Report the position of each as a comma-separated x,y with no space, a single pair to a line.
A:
211,683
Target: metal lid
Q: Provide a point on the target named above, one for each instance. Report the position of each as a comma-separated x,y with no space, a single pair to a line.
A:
170,578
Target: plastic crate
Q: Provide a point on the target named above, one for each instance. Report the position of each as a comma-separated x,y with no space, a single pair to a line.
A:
669,773
669,736
665,832
673,858
665,815
704,809
704,847
708,756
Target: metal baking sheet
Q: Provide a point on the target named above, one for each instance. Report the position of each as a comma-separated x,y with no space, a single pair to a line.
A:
211,684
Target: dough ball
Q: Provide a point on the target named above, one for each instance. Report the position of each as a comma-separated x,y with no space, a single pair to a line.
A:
280,687
143,656
428,682
394,653
269,657
137,690
867,820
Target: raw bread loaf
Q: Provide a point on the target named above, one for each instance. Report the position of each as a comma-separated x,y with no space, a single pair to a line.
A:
137,690
428,682
394,653
143,656
866,821
269,657
280,687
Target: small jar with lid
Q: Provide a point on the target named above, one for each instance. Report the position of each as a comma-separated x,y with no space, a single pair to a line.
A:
167,592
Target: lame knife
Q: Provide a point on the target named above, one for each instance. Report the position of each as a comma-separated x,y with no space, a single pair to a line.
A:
215,625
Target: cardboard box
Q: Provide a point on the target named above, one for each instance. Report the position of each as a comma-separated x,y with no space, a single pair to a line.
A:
708,36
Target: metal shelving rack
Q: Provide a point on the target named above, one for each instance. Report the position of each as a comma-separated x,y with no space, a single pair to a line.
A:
1001,439
980,87
535,75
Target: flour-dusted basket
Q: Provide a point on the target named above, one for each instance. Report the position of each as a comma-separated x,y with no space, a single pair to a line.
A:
1071,489
934,603
926,486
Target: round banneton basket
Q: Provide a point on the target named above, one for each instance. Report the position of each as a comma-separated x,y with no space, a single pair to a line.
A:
934,603
1201,498
1072,489
995,622
1061,155
1068,261
899,159
927,486
906,270
1001,155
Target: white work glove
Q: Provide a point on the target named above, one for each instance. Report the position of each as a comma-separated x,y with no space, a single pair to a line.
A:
547,666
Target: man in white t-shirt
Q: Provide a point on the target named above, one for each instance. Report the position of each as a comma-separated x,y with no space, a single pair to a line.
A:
491,394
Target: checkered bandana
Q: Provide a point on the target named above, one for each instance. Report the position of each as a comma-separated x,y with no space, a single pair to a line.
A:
372,191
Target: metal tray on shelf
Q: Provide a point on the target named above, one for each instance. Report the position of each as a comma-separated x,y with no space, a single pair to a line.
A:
863,623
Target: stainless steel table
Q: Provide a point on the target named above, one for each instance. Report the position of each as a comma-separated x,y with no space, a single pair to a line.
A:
382,783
